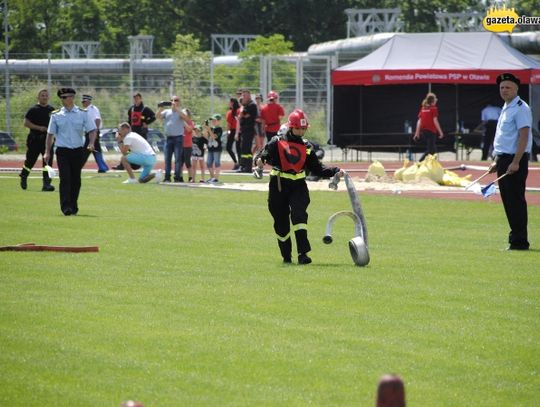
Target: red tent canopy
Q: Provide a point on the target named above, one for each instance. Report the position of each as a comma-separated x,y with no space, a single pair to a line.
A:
456,58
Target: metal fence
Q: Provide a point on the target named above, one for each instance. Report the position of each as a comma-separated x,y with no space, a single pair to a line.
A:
301,82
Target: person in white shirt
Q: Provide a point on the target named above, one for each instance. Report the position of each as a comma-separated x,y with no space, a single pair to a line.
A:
136,150
95,115
489,116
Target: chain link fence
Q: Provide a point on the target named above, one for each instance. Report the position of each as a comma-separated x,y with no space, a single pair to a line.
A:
301,82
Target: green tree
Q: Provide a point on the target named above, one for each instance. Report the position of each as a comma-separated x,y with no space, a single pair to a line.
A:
32,26
162,19
191,71
246,74
81,20
37,26
273,45
419,15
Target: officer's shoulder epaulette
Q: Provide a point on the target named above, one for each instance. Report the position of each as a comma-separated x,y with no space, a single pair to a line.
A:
520,103
55,111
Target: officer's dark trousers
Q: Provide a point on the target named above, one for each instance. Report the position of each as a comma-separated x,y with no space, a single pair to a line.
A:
246,155
512,188
70,162
291,202
35,146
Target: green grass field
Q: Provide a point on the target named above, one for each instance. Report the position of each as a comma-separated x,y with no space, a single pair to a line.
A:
188,304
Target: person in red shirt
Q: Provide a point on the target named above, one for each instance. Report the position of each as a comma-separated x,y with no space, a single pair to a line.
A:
428,125
232,123
187,146
271,114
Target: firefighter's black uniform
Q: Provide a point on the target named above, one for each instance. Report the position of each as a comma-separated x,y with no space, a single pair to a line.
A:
247,133
35,143
290,157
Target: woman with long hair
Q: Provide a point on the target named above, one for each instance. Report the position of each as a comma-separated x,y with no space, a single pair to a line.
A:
232,122
428,125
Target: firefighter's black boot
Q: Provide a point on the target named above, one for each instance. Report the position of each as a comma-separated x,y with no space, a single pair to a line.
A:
303,258
248,165
47,187
24,177
285,248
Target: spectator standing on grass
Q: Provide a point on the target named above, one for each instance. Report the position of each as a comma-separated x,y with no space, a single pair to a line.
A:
37,120
213,134
187,145
272,113
139,118
95,115
232,122
68,126
136,150
247,116
173,119
259,125
428,125
512,147
489,116
197,154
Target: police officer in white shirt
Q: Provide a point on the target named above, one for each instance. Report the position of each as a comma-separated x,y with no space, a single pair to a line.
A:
95,114
512,147
67,126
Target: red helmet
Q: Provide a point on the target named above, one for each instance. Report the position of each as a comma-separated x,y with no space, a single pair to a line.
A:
298,120
272,95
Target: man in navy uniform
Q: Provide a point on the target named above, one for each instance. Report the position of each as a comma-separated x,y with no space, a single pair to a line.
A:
37,120
512,147
68,126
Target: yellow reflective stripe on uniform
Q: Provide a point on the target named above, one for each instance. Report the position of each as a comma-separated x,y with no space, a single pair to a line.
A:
283,238
246,156
308,151
282,174
300,226
28,169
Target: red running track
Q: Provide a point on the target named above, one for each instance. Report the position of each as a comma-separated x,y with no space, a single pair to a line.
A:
532,194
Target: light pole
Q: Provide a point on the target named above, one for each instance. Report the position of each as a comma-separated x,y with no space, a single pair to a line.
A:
6,39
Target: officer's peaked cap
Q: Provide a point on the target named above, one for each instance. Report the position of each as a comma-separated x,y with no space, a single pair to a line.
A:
65,91
507,77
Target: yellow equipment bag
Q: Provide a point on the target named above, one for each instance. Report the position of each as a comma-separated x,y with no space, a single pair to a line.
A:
376,169
398,174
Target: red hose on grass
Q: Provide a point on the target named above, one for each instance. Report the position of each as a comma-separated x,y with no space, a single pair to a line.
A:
32,247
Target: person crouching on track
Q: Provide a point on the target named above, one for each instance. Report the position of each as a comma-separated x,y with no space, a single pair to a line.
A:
288,197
